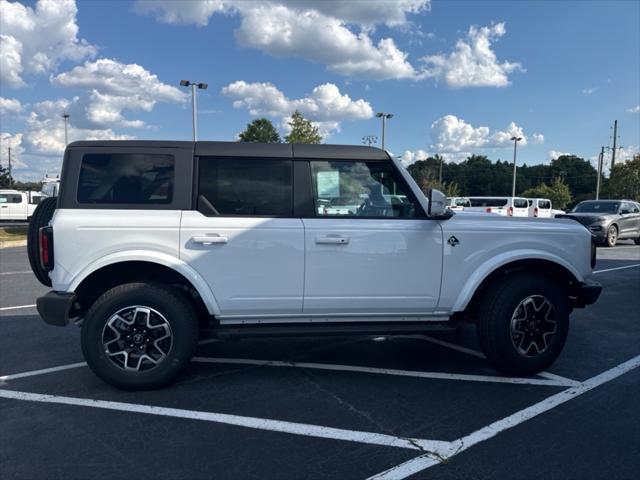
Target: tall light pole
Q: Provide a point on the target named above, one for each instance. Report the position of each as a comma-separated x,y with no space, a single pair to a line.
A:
10,177
515,141
66,128
193,85
384,116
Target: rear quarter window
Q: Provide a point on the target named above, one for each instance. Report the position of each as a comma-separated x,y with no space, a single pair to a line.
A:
545,204
520,203
126,179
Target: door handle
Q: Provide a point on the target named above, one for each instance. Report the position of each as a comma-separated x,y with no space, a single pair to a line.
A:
210,239
332,240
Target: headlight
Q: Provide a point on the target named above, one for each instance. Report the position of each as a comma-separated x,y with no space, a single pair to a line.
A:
595,228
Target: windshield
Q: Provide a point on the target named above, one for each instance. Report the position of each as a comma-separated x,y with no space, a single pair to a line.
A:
597,207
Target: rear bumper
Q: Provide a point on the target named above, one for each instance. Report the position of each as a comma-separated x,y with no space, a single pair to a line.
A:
586,293
55,307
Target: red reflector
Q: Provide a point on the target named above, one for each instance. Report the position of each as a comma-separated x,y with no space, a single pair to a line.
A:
488,210
45,240
535,212
510,211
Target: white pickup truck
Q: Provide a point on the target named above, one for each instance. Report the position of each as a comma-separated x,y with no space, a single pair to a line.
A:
151,245
17,205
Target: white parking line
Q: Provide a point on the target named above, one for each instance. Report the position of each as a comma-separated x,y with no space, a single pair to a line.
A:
42,371
2,309
15,273
388,371
423,462
240,421
617,268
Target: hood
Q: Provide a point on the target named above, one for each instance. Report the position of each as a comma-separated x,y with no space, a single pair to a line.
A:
587,218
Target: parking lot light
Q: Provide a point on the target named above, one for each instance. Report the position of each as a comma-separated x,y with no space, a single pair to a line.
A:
193,85
384,116
515,141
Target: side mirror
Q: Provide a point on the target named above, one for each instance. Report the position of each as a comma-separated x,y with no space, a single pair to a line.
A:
437,203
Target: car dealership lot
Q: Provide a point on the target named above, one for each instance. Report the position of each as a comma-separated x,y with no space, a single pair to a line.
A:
328,407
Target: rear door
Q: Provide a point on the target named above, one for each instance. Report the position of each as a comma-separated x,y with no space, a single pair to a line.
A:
369,248
629,221
520,207
242,238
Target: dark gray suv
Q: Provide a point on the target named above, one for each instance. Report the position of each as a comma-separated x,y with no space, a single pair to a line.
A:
609,220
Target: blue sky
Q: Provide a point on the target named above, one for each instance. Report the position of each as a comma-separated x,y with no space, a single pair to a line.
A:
461,77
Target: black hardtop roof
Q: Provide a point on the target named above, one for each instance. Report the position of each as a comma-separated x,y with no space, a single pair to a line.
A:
252,149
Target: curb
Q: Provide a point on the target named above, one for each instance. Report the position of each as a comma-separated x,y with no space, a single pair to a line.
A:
12,243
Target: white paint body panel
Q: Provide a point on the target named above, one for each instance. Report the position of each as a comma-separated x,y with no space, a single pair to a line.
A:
382,266
260,268
273,268
487,242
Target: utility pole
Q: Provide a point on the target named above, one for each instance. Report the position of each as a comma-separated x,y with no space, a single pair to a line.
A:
600,159
613,151
10,177
384,116
515,148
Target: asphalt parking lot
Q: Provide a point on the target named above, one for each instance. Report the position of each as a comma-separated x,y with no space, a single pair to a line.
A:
330,407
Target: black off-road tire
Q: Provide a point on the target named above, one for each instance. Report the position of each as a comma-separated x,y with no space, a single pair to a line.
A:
40,218
495,314
179,314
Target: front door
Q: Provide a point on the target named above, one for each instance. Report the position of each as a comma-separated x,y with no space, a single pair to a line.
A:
369,247
243,240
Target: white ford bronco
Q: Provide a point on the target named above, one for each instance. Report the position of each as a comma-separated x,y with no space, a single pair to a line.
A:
151,245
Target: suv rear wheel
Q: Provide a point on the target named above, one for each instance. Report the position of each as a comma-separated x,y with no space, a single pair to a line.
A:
523,322
139,336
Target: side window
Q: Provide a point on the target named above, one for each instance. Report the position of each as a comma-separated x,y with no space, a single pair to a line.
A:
245,187
636,208
126,178
520,203
360,189
544,204
4,198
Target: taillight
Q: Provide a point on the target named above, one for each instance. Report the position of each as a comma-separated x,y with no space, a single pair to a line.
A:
593,251
535,212
510,211
45,241
488,210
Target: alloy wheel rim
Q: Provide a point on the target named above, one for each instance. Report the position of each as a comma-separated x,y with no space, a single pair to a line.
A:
533,326
137,338
612,235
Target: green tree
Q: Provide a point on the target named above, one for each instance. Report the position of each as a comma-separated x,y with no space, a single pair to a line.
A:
260,130
558,192
5,179
579,174
302,130
28,186
624,181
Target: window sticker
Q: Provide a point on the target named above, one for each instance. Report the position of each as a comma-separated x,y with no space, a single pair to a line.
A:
328,184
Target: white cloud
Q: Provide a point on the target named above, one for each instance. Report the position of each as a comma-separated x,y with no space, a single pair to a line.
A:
15,142
453,135
113,88
364,13
282,31
412,156
473,63
635,109
322,31
326,106
589,91
554,154
9,105
537,138
36,40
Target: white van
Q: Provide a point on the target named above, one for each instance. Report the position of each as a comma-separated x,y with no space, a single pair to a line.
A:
540,207
506,206
17,205
458,203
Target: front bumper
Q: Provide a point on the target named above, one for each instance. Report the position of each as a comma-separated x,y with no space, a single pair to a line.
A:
55,307
585,293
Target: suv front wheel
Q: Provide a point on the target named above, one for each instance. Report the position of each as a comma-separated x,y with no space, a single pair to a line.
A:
523,322
139,336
